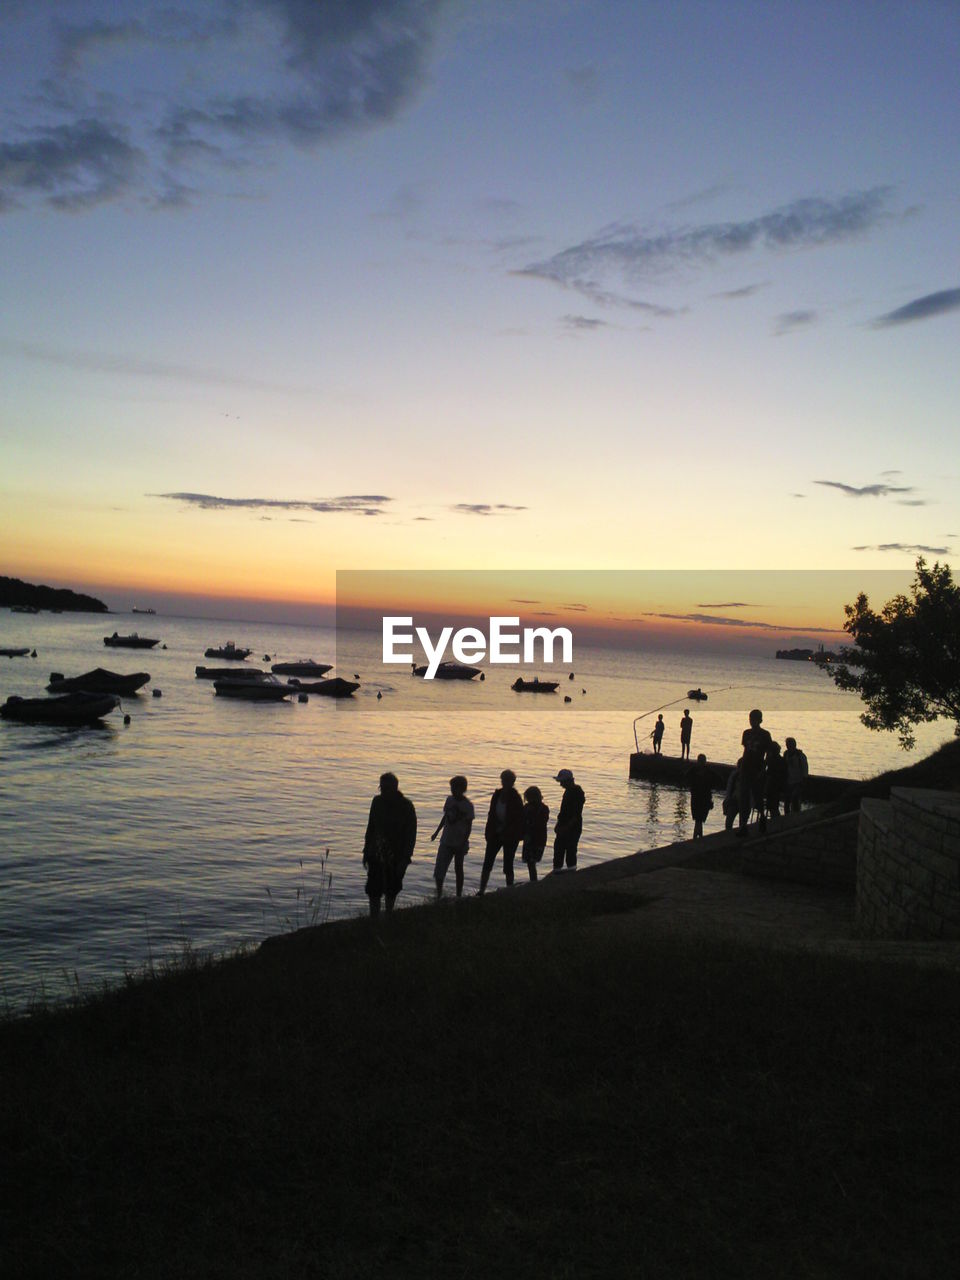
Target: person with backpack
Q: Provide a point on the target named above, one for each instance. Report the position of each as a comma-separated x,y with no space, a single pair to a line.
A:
797,773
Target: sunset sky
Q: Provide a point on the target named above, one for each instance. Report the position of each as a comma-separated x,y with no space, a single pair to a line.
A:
293,286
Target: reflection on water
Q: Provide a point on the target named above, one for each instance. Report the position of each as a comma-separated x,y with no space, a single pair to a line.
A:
127,842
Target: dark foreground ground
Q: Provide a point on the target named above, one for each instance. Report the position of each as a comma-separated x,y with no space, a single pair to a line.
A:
497,1088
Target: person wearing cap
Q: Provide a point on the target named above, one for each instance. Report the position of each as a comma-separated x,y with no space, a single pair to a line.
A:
569,822
504,829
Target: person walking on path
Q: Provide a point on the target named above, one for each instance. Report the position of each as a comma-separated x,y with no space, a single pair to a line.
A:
686,732
456,823
797,773
569,825
702,783
756,742
536,815
504,828
388,844
657,734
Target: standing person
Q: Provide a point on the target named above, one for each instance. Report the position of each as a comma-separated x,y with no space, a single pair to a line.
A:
702,782
686,730
569,825
536,815
776,780
456,823
731,798
657,734
504,828
797,773
388,844
756,744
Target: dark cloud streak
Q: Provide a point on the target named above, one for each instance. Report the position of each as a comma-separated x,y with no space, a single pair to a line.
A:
931,304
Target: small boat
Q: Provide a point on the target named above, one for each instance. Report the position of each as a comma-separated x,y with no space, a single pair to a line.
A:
129,642
449,671
335,687
24,608
136,610
269,689
230,673
98,681
228,652
305,667
697,695
14,653
70,709
536,685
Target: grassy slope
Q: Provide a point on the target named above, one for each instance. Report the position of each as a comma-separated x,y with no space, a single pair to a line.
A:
484,1089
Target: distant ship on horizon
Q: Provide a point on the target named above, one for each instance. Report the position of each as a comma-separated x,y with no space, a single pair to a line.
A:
808,655
136,610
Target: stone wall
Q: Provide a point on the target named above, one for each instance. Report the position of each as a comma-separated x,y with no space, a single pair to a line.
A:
810,852
908,865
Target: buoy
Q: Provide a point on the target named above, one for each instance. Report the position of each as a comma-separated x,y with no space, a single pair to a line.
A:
163,646
158,693
126,719
266,657
356,675
379,695
568,698
583,691
482,676
570,676
34,654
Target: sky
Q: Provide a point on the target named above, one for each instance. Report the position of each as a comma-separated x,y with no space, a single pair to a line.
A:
289,287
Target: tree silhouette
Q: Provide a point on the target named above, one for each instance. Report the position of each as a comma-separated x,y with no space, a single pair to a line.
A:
906,664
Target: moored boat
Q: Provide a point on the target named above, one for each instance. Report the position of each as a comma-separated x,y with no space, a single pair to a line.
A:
229,652
269,689
536,685
335,687
132,641
98,681
70,709
304,667
230,673
697,695
14,653
449,671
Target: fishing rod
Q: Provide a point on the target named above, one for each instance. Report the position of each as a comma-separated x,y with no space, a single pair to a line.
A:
684,698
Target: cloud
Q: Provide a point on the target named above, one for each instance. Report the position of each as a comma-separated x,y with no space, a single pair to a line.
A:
912,502
364,504
583,324
302,73
912,547
136,366
931,304
709,619
867,490
798,495
745,291
68,166
790,321
625,253
484,508
729,604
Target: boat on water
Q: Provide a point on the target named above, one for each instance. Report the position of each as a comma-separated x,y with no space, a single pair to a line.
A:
136,610
535,685
335,687
449,671
267,689
230,673
229,652
14,653
24,608
304,667
99,680
70,709
132,641
697,695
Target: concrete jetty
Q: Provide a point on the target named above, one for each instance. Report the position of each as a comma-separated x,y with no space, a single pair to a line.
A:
645,766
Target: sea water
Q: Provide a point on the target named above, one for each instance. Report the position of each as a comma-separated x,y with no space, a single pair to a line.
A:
211,823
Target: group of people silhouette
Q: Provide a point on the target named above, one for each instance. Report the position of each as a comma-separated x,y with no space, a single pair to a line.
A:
686,733
513,822
763,778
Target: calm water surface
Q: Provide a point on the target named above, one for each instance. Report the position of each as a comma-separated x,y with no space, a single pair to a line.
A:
203,820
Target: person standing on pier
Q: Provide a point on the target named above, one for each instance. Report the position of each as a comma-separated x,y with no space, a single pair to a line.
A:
657,734
686,732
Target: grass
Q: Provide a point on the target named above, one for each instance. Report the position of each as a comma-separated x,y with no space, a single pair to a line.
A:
488,1088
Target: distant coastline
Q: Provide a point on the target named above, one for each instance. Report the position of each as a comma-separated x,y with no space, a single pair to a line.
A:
14,593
